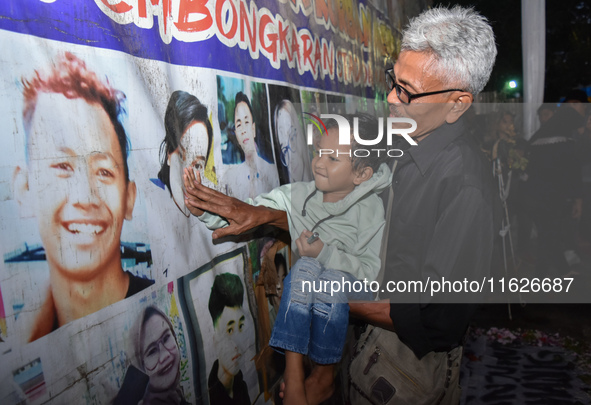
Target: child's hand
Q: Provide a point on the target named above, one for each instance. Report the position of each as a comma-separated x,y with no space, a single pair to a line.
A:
189,179
308,249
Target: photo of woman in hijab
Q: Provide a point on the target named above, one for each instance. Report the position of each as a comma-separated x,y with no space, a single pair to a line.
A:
187,143
154,376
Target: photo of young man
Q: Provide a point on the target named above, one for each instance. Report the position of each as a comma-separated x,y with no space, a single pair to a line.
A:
76,184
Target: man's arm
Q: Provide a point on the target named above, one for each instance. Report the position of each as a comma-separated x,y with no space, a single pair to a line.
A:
241,216
376,313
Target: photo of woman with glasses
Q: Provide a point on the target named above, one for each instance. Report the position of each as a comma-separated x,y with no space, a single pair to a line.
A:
154,376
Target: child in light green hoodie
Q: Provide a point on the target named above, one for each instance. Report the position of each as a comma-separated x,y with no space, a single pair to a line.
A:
342,209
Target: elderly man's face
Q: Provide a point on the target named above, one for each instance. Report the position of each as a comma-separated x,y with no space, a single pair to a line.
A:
77,186
429,112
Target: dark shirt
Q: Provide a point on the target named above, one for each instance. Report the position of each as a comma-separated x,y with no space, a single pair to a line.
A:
565,122
218,394
137,284
554,169
442,226
554,172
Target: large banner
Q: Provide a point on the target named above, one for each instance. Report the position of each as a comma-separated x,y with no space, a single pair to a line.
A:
110,290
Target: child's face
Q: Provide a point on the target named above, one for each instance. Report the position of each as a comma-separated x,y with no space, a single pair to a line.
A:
333,172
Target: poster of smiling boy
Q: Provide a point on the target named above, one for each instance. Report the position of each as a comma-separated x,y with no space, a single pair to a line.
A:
73,191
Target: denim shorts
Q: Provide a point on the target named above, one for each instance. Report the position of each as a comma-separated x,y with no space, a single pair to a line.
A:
311,320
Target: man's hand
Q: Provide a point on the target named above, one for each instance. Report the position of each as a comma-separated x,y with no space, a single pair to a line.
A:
189,180
241,216
308,249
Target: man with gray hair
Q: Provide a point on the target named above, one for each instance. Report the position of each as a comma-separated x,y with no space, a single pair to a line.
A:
442,209
442,212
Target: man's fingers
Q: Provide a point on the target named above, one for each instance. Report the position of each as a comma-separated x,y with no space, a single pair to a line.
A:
227,231
194,202
203,194
230,230
187,180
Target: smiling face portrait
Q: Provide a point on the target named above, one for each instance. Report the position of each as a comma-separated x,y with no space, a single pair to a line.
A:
77,185
159,350
76,181
333,171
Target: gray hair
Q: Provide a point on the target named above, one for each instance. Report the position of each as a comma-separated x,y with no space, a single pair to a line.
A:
461,42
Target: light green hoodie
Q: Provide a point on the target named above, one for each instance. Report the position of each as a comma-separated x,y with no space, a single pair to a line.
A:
351,228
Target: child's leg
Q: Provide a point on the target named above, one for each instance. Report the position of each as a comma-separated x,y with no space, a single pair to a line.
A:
294,391
319,384
291,331
330,320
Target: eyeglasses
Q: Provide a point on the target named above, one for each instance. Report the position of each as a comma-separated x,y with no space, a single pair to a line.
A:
152,355
403,95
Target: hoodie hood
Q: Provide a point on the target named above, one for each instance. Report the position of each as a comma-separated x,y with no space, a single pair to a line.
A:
380,181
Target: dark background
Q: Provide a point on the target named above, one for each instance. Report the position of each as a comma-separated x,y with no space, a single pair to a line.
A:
568,44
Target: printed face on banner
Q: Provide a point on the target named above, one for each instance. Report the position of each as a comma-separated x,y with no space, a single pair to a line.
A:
229,340
191,154
294,151
245,128
76,185
161,357
219,301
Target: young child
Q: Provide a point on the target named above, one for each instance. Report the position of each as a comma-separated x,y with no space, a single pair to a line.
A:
341,205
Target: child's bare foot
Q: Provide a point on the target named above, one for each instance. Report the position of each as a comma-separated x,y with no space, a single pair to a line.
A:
293,395
320,384
292,390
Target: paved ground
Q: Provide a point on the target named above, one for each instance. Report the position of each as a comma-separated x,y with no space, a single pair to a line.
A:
531,353
518,373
